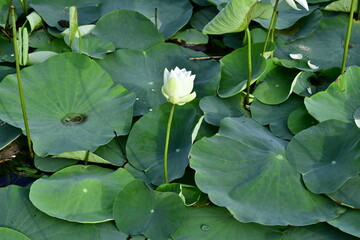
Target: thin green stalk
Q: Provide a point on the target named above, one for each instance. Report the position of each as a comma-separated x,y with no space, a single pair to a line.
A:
21,92
86,159
24,6
348,35
166,150
273,33
156,18
248,36
271,27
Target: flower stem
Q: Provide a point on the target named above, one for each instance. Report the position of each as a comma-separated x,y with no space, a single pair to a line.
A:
21,92
271,27
248,36
348,34
166,150
86,158
156,18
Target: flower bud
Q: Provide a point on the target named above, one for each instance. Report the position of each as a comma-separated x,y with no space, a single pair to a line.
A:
178,84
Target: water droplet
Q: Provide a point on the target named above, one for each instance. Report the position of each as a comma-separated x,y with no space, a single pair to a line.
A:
152,211
153,90
277,85
137,99
177,150
204,227
12,55
151,83
150,109
333,162
85,190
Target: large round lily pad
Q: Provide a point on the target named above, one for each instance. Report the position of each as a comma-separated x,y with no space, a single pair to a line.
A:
127,29
17,212
340,100
244,168
326,155
140,210
171,15
72,104
145,145
213,223
79,193
142,72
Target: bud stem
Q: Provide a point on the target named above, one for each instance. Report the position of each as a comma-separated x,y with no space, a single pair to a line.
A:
248,37
348,35
271,27
166,150
21,92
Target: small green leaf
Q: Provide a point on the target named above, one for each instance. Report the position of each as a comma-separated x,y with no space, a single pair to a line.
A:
140,210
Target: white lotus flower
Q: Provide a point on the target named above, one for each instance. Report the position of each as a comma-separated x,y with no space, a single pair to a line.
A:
301,2
178,84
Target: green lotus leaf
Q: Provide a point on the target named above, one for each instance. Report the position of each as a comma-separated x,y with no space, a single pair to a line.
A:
320,231
348,194
171,15
326,155
235,17
341,6
340,100
140,210
215,108
300,119
142,72
302,28
213,223
234,69
145,145
8,134
108,231
83,194
202,17
10,234
287,16
93,47
276,115
275,84
244,168
135,31
4,70
66,98
17,212
7,48
332,31
348,222
56,13
52,164
191,36
189,194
